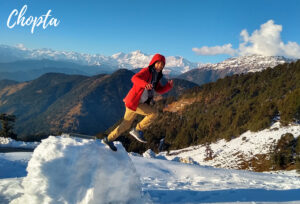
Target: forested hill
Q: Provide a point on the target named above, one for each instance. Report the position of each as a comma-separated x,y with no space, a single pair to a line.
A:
226,109
56,102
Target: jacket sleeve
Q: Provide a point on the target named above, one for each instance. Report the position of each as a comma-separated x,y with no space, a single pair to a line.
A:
163,89
140,78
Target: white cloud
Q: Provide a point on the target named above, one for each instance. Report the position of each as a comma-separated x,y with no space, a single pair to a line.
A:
217,50
292,49
265,41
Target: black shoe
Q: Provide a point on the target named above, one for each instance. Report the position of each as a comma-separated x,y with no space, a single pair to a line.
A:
139,135
110,144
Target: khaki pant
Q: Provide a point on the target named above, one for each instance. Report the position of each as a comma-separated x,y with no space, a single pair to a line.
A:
142,109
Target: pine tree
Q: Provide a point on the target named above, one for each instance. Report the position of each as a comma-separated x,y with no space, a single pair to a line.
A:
297,153
284,151
208,152
7,124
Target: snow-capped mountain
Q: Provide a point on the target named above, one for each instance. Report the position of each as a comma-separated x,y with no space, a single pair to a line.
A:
19,52
206,73
175,64
245,64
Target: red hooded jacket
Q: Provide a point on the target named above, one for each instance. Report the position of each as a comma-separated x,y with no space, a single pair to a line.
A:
140,80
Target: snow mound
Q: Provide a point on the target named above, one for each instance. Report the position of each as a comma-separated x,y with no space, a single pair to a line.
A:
8,142
73,170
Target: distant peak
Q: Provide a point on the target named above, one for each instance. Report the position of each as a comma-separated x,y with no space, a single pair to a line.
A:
257,56
137,52
21,46
119,54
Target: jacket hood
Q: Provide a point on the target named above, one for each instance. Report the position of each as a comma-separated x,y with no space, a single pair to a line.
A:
157,57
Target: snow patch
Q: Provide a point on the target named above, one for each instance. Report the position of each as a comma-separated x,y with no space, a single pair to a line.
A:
73,170
232,153
8,142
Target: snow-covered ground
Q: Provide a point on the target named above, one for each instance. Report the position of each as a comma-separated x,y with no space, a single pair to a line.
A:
69,170
233,153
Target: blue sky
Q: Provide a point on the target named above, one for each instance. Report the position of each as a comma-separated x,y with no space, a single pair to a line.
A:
170,27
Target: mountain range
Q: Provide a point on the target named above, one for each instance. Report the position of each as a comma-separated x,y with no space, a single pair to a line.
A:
237,65
136,59
23,64
57,102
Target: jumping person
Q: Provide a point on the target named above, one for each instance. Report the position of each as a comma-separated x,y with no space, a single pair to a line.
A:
139,100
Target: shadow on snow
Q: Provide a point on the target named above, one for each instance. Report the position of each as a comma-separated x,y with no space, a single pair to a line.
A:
229,195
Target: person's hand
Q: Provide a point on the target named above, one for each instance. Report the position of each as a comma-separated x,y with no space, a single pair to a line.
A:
149,86
171,83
